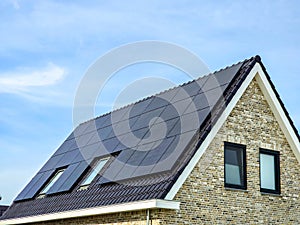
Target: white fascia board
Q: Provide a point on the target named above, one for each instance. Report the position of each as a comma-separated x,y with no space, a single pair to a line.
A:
124,207
264,84
279,113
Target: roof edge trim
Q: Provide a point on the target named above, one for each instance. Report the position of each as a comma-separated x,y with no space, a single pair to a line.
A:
288,130
124,207
264,83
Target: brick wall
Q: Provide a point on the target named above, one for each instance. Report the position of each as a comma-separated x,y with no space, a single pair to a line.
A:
203,196
204,200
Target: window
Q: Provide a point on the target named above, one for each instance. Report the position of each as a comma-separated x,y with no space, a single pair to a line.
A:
235,166
269,171
51,182
94,172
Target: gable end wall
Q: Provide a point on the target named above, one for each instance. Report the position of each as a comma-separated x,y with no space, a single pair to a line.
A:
204,200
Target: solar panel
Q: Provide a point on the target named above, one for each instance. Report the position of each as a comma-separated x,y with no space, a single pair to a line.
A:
139,107
156,103
175,109
118,115
77,172
200,101
88,151
80,129
168,95
52,162
203,113
104,133
71,136
172,155
33,181
192,88
155,147
116,166
63,178
78,157
66,159
144,119
158,149
84,139
225,76
221,77
141,133
110,144
66,145
35,185
102,121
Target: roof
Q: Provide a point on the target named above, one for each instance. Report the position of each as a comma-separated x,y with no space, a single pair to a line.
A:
3,208
150,144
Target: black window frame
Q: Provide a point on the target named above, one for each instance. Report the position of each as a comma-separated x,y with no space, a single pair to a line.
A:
276,155
242,148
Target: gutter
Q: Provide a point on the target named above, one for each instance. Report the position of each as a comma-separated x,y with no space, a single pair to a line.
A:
123,207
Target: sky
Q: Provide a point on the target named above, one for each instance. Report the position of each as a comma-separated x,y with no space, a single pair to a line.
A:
47,46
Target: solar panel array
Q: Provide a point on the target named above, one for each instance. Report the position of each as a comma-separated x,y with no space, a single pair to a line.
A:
149,136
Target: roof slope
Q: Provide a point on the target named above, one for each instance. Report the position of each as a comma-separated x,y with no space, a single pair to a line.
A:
3,208
149,143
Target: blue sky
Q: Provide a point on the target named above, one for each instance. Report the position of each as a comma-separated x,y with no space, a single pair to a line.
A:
47,46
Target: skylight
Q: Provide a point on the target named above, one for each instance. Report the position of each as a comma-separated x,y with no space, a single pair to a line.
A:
51,182
95,170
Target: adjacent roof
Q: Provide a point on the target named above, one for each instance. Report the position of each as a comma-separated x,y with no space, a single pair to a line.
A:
3,208
149,142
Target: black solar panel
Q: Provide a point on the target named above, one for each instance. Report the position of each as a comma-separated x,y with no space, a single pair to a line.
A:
119,115
222,77
155,104
74,176
144,120
52,162
102,121
149,134
65,146
62,179
104,133
173,153
66,159
192,88
35,185
116,166
23,193
168,95
139,107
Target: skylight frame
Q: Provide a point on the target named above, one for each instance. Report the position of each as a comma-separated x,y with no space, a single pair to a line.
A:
95,170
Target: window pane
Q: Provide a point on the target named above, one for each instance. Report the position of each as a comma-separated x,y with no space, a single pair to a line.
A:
233,174
233,166
54,179
267,171
95,171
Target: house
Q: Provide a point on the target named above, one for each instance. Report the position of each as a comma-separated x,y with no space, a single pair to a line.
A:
219,149
3,208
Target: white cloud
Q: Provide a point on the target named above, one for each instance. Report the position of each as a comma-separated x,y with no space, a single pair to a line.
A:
22,80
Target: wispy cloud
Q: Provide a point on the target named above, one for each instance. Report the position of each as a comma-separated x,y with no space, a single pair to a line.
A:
23,80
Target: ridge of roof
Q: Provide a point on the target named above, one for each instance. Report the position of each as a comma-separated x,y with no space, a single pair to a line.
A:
279,99
256,58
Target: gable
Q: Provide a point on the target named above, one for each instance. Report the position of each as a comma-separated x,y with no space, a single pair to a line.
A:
258,72
204,196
